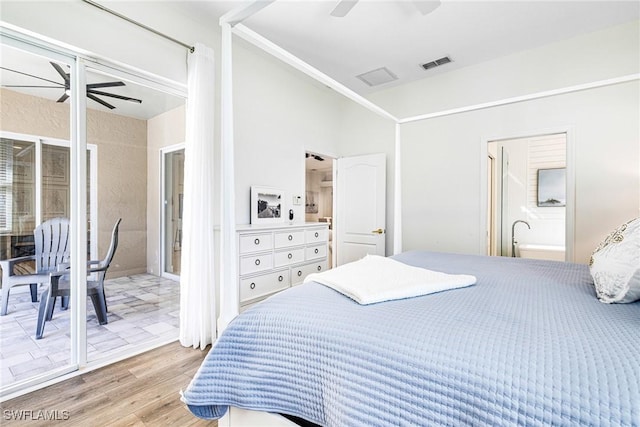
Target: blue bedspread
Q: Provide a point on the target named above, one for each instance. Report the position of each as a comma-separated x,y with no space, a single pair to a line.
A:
528,345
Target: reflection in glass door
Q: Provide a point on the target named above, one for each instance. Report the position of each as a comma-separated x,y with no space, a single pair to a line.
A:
173,177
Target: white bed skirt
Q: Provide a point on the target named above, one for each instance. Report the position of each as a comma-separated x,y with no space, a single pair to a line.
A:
237,417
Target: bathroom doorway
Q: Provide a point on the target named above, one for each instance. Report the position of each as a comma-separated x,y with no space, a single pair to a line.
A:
319,193
527,197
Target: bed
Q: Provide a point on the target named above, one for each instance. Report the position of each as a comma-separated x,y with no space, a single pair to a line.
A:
528,344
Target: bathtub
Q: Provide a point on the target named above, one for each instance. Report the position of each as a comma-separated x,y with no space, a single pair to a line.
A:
539,251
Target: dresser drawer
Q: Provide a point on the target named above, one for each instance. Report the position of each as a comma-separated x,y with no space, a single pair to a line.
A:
289,238
299,273
288,257
316,252
263,285
316,235
255,263
255,242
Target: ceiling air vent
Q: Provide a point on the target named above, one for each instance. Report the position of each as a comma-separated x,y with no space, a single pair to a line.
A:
377,77
436,63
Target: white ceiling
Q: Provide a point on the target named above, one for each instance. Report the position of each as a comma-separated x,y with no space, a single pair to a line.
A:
393,34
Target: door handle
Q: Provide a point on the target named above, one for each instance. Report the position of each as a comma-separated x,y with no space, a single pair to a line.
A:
378,231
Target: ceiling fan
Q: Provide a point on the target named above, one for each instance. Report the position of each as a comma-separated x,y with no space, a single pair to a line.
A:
424,7
314,156
66,86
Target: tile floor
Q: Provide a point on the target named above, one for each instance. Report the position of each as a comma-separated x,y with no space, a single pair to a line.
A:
141,308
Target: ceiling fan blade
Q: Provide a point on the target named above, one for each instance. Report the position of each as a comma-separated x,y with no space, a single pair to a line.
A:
426,6
343,7
40,87
31,75
63,97
60,71
105,84
100,101
113,95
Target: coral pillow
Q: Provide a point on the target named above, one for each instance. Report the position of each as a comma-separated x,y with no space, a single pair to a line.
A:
615,265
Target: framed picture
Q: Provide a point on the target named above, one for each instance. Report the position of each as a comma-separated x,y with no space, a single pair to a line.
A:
55,202
55,165
267,205
23,166
552,187
23,200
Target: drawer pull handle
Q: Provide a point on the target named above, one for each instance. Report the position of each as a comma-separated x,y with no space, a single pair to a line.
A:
257,241
316,234
290,256
252,285
290,237
319,267
258,261
316,251
280,278
299,273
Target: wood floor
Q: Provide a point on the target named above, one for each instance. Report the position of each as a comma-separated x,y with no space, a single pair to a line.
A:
140,391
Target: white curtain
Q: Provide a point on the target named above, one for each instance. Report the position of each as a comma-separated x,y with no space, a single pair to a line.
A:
197,276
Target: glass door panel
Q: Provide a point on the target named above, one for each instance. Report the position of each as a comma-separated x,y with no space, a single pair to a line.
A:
34,187
129,123
55,182
173,199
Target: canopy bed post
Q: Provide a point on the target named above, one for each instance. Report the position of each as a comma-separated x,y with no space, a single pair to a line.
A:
229,296
397,202
228,290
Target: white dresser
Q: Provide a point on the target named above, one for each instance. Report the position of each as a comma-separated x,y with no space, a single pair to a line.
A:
271,259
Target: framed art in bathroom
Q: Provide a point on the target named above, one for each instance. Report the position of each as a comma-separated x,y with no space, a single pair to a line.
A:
552,187
267,205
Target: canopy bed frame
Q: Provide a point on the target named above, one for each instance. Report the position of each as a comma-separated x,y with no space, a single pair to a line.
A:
231,23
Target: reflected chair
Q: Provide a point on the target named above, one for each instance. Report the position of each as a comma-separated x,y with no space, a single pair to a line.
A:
51,239
59,286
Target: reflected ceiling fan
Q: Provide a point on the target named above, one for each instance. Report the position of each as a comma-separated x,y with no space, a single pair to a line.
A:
424,7
314,156
92,93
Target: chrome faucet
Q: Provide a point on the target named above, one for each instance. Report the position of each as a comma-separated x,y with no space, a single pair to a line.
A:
513,236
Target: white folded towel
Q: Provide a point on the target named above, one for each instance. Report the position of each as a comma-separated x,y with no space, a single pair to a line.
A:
375,278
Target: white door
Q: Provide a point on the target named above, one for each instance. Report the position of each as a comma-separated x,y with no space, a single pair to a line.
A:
361,205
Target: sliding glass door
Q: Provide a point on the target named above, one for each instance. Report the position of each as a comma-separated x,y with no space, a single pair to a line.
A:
130,123
80,143
36,178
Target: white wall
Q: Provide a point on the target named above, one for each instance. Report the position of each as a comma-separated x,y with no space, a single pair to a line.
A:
441,172
442,158
86,27
279,114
